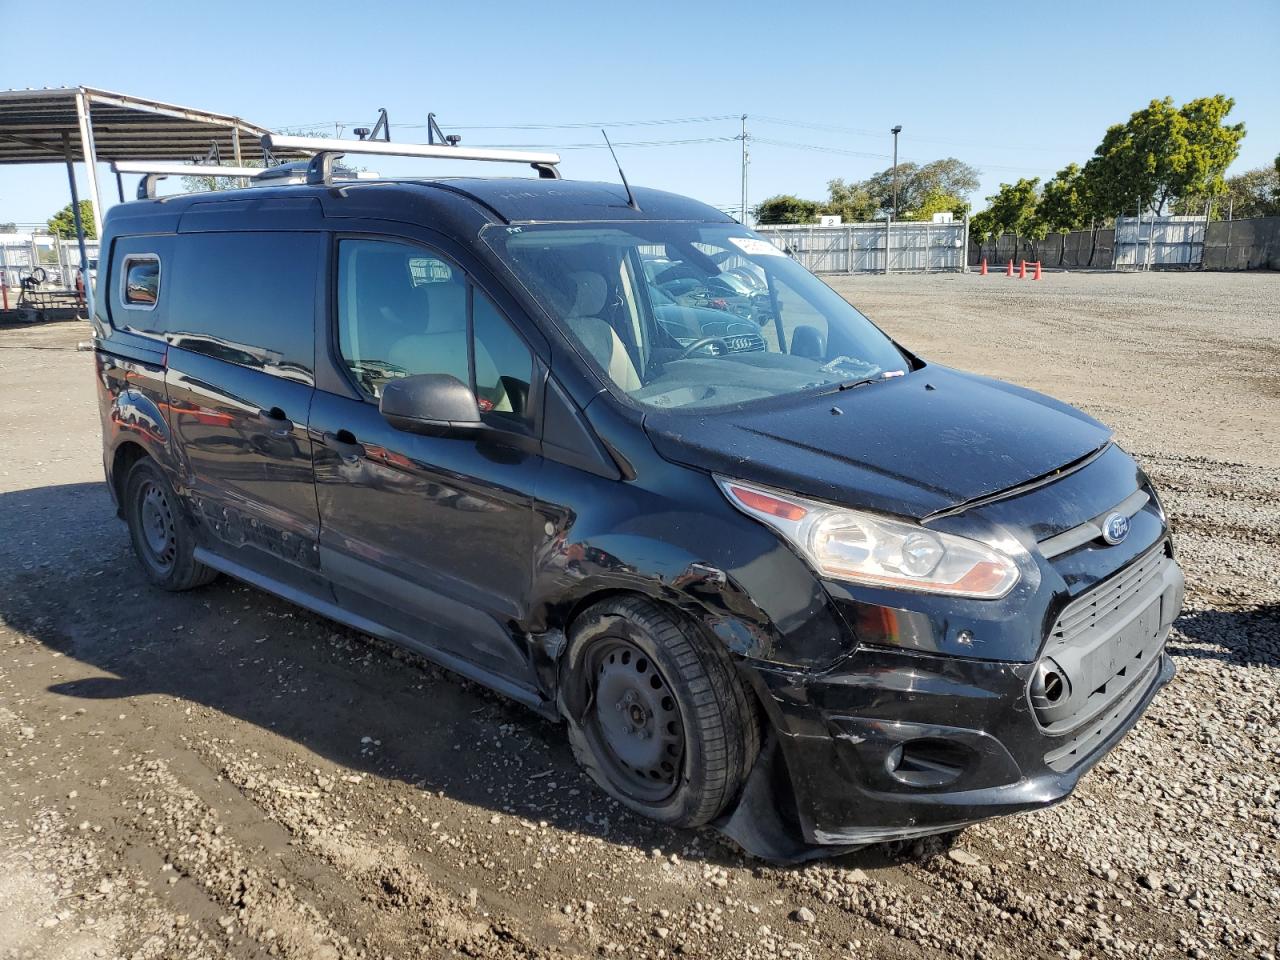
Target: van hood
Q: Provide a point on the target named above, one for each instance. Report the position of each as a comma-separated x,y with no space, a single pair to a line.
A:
911,446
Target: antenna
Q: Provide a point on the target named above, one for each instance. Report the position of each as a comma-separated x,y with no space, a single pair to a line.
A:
631,199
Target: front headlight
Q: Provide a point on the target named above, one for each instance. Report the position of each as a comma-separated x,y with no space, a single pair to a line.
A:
845,544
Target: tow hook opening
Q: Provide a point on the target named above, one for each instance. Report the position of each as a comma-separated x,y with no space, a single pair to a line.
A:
1050,687
1054,686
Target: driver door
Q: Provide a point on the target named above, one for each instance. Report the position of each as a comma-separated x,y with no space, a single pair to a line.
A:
432,536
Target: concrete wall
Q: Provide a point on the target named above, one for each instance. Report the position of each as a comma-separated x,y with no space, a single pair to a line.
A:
1243,244
1228,245
1055,250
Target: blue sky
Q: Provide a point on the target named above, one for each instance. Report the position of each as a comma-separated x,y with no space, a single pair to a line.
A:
1017,90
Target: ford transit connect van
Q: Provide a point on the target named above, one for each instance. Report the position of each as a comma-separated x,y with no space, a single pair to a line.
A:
621,459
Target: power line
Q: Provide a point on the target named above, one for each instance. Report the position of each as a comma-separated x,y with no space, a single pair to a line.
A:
601,146
713,118
859,132
690,141
582,125
594,124
820,148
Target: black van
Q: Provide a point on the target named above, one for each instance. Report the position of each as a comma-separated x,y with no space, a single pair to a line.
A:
621,459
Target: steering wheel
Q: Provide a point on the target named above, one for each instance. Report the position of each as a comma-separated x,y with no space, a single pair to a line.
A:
699,344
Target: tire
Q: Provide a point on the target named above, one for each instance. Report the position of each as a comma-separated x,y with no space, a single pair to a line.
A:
656,713
162,537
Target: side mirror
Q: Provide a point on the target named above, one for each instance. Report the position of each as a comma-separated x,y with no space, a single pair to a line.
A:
431,403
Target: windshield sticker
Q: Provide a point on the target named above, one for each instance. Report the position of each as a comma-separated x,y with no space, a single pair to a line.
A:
755,247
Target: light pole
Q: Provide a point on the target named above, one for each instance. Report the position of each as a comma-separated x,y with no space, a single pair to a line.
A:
895,131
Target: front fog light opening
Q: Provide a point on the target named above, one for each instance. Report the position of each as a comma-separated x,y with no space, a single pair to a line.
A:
927,762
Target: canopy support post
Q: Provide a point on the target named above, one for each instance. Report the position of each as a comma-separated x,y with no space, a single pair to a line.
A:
90,153
75,214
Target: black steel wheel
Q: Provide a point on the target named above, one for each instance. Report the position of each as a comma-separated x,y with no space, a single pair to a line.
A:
160,533
656,713
158,525
633,720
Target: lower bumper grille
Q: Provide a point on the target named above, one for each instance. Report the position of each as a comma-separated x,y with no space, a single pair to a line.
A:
1102,655
1072,750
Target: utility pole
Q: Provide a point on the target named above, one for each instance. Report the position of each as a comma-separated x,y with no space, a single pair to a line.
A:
895,131
745,160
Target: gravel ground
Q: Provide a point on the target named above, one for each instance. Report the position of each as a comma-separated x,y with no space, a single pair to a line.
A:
219,774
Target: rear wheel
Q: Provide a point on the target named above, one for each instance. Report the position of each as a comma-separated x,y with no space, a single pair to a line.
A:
161,536
657,715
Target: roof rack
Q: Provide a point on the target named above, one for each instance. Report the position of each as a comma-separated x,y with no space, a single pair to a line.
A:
152,172
326,151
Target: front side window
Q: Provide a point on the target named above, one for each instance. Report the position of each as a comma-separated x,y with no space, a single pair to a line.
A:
403,312
140,282
694,315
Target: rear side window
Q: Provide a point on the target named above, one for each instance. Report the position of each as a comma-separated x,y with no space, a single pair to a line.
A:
247,298
136,287
140,275
403,312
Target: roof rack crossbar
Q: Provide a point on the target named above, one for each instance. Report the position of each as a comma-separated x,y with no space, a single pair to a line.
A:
152,173
320,172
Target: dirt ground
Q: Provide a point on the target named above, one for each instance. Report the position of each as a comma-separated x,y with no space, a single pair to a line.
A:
219,774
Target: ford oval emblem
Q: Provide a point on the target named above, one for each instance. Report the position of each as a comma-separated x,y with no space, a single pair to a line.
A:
1115,528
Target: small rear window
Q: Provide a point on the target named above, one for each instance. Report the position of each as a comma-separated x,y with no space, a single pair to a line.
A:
141,282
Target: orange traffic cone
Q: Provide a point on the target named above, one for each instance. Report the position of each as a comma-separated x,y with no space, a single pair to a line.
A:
1008,270
1022,270
1037,276
983,271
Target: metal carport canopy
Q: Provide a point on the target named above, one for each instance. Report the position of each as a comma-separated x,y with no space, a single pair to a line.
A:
66,124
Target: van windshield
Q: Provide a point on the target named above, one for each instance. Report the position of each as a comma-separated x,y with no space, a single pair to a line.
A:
696,315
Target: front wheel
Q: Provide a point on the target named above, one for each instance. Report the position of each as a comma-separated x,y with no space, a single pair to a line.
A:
657,715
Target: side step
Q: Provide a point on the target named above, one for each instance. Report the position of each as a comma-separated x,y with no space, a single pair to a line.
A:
325,608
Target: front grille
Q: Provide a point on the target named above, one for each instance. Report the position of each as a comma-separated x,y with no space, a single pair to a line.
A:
1099,658
1105,602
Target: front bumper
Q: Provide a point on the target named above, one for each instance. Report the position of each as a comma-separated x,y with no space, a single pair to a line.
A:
895,743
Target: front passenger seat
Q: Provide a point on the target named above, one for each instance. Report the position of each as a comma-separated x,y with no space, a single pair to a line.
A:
443,347
597,335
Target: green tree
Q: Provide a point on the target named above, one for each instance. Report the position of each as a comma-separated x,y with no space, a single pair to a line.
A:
1013,210
1254,193
851,201
1165,153
63,223
785,208
922,191
917,183
983,229
937,201
1065,204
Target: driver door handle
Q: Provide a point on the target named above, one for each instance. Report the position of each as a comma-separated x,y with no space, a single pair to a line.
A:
345,445
278,425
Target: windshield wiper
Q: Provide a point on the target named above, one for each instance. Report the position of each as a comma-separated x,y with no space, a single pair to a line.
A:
886,375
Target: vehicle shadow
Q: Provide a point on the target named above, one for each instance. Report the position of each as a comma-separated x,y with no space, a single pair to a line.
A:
1248,637
68,579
